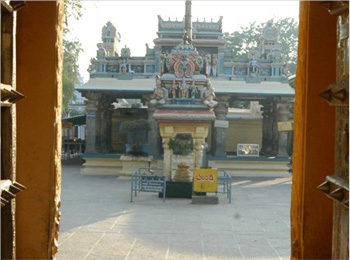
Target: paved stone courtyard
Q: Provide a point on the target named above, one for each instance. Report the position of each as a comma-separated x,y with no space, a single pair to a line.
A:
99,222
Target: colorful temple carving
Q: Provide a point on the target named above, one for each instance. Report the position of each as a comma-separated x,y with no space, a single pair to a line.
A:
197,88
213,58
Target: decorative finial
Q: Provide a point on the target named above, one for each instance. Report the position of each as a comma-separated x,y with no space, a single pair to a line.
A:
188,20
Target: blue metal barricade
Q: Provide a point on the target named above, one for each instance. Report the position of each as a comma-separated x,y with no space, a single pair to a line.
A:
225,182
145,179
150,179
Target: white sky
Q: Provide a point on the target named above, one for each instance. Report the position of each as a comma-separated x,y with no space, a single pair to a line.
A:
137,21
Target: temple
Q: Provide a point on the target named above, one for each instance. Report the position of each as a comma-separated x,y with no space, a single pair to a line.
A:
192,91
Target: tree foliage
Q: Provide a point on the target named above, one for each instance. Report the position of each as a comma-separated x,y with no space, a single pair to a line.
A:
73,9
246,39
71,51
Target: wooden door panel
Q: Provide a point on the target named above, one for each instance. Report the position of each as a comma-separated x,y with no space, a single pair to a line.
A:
336,186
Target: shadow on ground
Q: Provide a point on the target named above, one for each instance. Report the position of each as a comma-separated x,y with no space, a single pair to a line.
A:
99,222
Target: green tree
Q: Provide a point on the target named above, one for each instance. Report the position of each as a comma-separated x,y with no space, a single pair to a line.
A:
71,51
72,9
246,39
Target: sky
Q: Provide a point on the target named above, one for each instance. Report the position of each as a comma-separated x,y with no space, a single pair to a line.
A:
137,21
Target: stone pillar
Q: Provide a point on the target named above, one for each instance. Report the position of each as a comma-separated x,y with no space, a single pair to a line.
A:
220,65
109,127
91,111
198,152
153,135
167,159
219,141
104,116
157,50
282,116
270,133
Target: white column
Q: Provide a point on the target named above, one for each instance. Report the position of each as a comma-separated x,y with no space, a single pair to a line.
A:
198,149
167,159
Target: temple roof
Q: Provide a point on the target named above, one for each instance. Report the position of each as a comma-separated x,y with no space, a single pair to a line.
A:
184,115
138,87
198,26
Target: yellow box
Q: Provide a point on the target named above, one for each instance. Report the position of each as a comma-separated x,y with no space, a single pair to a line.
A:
205,180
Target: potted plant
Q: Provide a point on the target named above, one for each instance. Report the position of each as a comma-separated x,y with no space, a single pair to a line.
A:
136,131
182,144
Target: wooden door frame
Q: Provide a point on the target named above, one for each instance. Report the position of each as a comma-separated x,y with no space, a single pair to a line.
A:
314,122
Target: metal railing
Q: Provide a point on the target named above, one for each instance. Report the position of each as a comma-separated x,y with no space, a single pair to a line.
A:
146,179
225,183
71,150
151,179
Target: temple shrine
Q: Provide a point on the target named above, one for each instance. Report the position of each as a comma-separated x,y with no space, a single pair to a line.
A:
190,89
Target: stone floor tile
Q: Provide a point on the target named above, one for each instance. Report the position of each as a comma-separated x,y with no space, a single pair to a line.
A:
99,222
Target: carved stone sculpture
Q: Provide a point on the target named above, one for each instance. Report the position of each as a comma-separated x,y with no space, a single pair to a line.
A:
209,95
182,173
159,93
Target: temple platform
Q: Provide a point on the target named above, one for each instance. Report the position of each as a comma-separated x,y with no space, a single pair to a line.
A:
115,164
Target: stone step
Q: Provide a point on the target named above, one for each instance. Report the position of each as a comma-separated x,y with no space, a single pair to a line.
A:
253,168
101,166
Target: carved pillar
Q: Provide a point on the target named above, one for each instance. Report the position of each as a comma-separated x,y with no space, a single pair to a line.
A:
105,121
109,127
153,135
220,65
282,116
98,126
270,133
198,150
167,159
91,111
219,142
157,50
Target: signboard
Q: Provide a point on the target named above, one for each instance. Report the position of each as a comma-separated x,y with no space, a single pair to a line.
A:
68,125
152,184
248,150
205,180
285,126
221,123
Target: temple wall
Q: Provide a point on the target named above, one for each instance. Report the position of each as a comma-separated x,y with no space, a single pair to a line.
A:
243,131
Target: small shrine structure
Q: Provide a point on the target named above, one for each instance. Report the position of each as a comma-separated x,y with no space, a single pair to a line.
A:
184,98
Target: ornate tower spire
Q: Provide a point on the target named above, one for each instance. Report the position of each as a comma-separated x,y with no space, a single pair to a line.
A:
188,21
